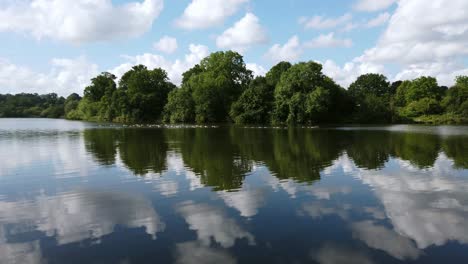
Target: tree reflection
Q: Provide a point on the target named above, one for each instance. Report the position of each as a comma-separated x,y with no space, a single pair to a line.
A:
223,157
420,149
456,148
369,149
102,143
213,156
141,150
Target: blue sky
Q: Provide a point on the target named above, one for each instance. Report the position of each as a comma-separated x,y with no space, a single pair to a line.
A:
58,45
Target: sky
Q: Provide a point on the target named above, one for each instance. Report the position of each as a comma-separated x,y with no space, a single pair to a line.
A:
59,45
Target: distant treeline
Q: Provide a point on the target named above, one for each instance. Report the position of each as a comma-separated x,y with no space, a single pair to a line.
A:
221,89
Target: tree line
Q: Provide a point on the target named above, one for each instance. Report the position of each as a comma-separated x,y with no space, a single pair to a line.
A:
221,89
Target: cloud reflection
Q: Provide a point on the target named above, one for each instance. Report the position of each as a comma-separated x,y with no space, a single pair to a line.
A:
212,223
80,215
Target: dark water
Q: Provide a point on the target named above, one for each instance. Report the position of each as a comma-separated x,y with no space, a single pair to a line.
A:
73,192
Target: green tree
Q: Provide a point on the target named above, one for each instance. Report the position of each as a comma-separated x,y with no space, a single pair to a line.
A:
255,104
456,100
423,87
217,82
180,107
273,76
371,94
294,88
144,92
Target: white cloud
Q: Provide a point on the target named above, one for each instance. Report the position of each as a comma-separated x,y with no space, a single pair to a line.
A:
334,254
350,71
79,21
257,70
245,33
212,223
430,207
175,69
66,76
247,201
21,253
79,215
166,44
328,41
290,51
195,252
422,44
380,237
378,21
321,22
208,13
373,5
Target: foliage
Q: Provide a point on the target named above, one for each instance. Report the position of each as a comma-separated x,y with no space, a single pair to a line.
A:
255,104
295,86
274,75
143,94
32,105
371,94
216,83
221,89
180,107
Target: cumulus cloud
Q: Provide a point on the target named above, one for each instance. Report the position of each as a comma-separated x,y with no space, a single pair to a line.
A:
257,70
290,51
345,75
166,44
328,41
372,5
424,44
79,21
175,69
208,13
66,76
378,21
322,22
245,33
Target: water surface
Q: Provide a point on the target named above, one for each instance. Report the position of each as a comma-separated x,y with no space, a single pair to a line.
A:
75,192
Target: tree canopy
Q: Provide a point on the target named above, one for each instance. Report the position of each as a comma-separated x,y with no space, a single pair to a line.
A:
221,89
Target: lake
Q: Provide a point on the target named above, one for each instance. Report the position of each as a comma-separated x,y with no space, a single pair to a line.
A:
76,192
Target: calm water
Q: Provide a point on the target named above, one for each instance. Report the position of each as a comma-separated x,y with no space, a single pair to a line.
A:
73,192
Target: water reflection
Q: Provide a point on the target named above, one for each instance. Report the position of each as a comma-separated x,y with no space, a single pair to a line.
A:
80,215
234,195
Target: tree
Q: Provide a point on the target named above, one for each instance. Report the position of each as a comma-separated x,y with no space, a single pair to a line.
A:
371,83
145,93
371,94
425,106
295,86
255,104
180,107
274,75
71,103
101,85
400,96
456,100
216,83
423,87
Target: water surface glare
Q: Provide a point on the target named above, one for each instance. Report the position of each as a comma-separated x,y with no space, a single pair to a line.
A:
76,192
